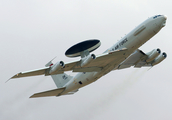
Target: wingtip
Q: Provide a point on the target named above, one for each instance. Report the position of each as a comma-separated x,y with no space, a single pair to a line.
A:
15,76
31,96
7,80
36,95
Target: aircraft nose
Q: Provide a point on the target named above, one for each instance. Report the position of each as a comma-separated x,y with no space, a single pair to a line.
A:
160,22
165,17
164,21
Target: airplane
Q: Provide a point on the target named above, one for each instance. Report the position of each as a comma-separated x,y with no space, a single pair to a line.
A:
91,67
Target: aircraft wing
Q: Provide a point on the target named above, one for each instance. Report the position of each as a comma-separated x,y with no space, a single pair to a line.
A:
137,59
35,72
94,66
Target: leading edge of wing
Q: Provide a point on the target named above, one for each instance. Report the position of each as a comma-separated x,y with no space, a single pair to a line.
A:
35,72
113,53
107,58
97,64
94,66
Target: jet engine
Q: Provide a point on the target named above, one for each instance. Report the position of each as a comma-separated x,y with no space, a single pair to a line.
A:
158,59
85,61
54,68
152,55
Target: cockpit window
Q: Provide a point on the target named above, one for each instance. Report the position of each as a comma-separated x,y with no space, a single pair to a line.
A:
156,16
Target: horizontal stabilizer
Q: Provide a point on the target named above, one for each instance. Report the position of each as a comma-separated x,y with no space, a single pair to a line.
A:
49,93
72,92
35,72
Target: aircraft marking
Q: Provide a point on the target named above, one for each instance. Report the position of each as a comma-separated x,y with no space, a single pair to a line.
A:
121,43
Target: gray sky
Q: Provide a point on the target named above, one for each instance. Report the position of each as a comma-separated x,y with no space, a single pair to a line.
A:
33,32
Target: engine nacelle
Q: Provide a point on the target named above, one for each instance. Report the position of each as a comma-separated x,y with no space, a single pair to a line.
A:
56,67
160,58
85,61
153,54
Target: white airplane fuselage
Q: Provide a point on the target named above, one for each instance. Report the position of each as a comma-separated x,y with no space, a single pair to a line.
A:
132,41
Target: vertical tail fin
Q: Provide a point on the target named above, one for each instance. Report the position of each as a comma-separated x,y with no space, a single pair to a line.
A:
61,79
